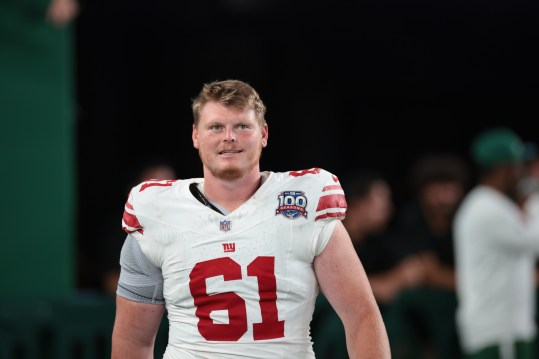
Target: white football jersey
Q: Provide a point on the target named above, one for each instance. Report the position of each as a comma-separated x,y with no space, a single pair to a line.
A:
242,284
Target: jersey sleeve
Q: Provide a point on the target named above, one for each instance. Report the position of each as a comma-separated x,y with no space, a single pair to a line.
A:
143,206
331,206
130,222
323,237
331,202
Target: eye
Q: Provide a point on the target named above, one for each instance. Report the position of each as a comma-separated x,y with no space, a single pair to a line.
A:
243,127
215,127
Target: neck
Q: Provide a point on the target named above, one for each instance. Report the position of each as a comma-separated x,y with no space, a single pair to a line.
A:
500,184
438,220
231,194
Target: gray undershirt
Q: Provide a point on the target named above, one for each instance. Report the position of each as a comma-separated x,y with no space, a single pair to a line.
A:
140,280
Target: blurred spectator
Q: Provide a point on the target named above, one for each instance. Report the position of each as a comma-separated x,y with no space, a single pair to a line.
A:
496,245
528,189
62,12
529,184
370,211
424,315
368,216
439,182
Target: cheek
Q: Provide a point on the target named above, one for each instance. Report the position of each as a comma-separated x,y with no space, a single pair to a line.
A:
196,140
202,142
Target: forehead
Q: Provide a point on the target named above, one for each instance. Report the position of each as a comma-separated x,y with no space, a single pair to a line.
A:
217,112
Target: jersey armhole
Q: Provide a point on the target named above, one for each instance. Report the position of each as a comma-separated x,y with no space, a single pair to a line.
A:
324,236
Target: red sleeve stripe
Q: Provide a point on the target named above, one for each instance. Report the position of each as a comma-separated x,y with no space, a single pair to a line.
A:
128,205
331,201
130,222
340,215
332,188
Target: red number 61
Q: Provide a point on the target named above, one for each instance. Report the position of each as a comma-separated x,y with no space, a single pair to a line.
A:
262,268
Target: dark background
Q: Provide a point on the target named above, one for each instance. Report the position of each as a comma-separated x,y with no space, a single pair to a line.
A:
348,84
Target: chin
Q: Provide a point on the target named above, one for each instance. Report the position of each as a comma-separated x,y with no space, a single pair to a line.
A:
228,174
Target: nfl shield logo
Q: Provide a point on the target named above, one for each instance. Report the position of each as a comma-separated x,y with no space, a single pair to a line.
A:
224,226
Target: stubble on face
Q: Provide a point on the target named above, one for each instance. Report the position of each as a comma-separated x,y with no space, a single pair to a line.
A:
231,173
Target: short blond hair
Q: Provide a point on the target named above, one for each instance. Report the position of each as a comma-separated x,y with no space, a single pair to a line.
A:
233,93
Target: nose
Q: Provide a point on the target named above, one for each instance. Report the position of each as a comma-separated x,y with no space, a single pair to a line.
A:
230,135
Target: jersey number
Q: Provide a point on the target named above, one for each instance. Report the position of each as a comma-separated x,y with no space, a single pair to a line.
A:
152,183
263,269
312,171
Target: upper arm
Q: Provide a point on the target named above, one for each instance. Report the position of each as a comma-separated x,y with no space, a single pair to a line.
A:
344,282
342,278
139,305
135,328
510,231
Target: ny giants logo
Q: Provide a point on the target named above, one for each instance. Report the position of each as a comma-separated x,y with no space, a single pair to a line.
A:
229,247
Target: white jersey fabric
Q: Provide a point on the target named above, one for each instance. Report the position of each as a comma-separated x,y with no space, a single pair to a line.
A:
240,285
496,246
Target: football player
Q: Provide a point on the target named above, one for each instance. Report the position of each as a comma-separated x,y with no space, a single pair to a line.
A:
238,257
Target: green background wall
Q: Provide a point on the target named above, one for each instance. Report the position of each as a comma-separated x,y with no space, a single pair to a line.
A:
37,204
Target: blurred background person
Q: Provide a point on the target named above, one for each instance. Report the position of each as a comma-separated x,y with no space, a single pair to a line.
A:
423,316
368,218
438,182
529,184
496,247
528,190
62,12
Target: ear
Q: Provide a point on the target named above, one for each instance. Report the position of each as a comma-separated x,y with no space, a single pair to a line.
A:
194,136
265,134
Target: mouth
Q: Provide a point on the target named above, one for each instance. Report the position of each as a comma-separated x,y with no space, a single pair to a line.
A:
229,152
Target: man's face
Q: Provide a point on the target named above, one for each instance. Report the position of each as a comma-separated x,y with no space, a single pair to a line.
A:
378,207
442,196
514,174
229,141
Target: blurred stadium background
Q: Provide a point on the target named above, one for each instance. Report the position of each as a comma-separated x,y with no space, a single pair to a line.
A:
348,84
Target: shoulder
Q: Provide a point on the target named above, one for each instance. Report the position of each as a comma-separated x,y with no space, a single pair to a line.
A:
144,186
322,186
314,176
486,200
314,181
484,208
149,191
148,197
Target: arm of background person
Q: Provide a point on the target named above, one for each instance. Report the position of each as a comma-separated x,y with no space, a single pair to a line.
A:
343,281
511,232
387,285
437,274
135,328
